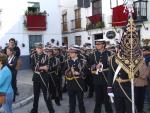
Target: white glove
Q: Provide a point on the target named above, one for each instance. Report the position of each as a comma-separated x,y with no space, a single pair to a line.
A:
111,95
76,73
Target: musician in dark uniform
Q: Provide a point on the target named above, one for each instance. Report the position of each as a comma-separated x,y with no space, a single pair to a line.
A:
54,66
40,79
89,77
75,75
124,66
122,99
99,62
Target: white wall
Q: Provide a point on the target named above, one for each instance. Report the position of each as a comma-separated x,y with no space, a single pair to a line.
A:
12,19
107,13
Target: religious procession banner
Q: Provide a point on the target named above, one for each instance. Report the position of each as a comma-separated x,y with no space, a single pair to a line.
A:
130,57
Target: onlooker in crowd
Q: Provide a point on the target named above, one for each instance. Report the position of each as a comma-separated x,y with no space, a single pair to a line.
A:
5,84
140,87
13,44
12,62
146,54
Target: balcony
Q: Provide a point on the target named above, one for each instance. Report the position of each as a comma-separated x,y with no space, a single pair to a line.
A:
76,24
119,18
35,22
64,27
95,22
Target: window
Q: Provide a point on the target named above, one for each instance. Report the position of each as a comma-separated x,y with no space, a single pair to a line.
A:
78,40
64,22
98,36
77,19
64,17
97,7
77,14
65,41
140,8
33,7
34,39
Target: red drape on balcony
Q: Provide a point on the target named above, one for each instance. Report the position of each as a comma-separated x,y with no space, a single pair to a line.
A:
36,22
95,18
119,18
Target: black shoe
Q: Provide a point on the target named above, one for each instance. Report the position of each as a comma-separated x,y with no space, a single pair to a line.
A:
57,103
34,111
17,93
64,90
90,95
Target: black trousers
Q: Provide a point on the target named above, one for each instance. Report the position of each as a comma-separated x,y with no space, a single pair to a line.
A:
14,83
122,104
37,86
101,97
139,98
89,83
72,101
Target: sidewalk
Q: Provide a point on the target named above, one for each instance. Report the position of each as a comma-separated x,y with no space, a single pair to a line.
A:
25,89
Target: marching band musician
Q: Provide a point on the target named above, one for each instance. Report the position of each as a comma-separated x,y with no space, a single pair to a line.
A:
39,63
56,51
54,66
124,68
75,69
89,77
121,98
99,62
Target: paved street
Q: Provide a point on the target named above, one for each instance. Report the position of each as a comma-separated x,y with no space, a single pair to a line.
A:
25,85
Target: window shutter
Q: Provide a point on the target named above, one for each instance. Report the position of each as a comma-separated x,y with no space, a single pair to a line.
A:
83,3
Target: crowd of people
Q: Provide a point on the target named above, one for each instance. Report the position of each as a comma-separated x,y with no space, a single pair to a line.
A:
75,70
8,74
85,69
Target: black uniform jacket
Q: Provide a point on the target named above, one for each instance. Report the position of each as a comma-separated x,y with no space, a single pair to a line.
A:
76,82
117,89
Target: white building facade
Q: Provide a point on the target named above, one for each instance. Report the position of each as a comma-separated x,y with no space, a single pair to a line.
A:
103,19
29,22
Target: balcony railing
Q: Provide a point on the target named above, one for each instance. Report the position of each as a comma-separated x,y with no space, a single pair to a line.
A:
94,22
35,21
119,18
64,27
76,24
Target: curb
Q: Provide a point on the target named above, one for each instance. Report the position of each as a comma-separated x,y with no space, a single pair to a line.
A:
23,102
